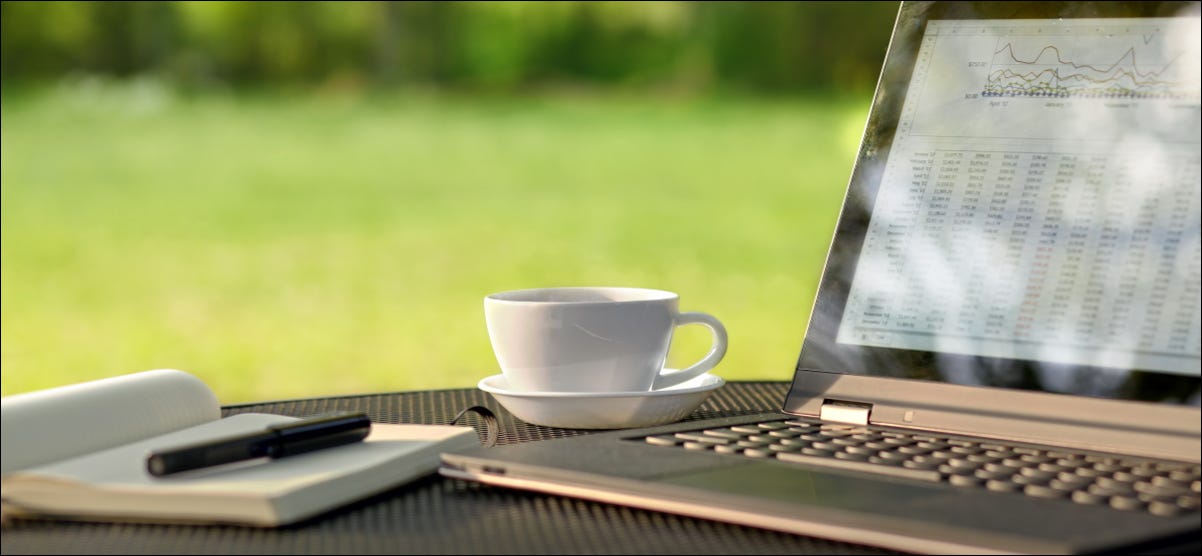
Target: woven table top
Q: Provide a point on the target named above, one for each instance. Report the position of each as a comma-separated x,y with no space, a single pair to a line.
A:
445,516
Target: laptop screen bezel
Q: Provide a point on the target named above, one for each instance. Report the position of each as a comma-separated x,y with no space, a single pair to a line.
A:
820,350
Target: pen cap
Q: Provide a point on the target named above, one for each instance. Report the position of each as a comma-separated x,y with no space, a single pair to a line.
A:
315,434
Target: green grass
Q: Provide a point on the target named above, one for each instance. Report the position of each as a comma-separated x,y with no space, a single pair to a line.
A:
285,246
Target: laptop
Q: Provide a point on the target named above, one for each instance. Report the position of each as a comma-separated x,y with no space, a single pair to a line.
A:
1003,353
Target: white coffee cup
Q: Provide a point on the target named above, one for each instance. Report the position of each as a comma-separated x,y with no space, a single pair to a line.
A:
592,339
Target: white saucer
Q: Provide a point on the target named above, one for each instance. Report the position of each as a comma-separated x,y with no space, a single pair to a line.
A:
603,410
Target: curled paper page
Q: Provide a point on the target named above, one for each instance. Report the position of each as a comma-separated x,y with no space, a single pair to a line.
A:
60,423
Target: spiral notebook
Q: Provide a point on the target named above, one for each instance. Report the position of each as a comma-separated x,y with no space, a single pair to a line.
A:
80,452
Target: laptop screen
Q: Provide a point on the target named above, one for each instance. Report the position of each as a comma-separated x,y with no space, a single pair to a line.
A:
1024,210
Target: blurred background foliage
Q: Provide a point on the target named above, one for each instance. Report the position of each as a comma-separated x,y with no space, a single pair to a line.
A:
474,46
295,199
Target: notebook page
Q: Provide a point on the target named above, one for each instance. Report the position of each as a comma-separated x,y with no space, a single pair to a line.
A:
59,423
114,483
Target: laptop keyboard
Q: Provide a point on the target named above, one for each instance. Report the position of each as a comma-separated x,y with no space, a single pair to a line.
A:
1157,487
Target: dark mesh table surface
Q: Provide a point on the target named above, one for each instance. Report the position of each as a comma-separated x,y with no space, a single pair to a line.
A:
438,515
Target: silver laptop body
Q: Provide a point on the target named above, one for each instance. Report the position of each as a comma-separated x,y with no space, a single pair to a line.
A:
1007,327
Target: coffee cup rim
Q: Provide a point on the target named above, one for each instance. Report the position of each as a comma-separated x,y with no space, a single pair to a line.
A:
615,294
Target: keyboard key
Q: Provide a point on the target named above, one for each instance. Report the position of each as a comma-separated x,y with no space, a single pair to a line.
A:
1184,474
1125,477
1014,462
965,480
1171,466
1071,463
1165,509
892,456
993,475
1111,491
921,465
800,423
1066,486
663,440
1127,503
1040,491
784,433
1154,490
752,443
880,461
1036,473
1144,471
701,438
1068,477
1002,486
1027,480
981,458
757,452
851,456
723,433
1052,467
963,464
949,470
1162,480
935,462
1108,482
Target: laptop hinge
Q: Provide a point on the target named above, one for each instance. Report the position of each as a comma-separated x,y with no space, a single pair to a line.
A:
840,411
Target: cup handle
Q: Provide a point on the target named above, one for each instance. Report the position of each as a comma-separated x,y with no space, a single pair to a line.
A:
711,359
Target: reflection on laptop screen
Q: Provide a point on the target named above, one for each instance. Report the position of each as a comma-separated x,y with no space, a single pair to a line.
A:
1039,204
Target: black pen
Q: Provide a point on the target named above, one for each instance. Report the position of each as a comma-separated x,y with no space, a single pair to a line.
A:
275,441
